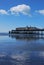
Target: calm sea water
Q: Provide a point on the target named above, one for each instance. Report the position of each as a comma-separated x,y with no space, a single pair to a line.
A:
21,51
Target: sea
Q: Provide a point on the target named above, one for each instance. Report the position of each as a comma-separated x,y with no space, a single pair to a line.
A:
21,50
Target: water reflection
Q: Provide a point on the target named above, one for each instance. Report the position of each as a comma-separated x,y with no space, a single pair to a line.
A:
21,52
27,36
27,58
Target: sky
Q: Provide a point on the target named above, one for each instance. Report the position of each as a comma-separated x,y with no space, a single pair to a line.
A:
21,13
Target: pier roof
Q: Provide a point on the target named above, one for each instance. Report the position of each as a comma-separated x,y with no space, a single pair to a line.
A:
27,28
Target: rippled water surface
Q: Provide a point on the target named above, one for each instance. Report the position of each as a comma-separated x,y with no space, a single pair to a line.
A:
21,51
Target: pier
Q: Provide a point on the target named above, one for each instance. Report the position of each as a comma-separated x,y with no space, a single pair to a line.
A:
27,30
27,33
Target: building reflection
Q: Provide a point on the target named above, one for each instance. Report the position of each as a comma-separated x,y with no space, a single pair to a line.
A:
26,36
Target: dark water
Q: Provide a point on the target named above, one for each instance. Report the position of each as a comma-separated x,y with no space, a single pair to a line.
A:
21,51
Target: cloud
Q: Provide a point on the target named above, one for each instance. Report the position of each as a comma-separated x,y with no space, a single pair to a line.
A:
17,10
40,11
23,9
3,11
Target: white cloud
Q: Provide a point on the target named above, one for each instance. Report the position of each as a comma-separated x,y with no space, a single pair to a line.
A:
3,11
24,9
40,11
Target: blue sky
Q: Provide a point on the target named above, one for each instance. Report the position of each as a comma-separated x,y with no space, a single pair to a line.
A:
17,13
